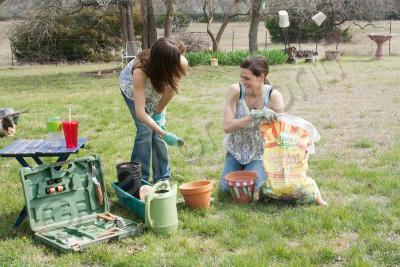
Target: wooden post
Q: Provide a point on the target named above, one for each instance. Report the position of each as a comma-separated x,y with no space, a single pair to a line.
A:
12,56
233,38
298,37
390,31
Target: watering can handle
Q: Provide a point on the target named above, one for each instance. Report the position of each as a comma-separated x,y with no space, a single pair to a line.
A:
148,199
162,185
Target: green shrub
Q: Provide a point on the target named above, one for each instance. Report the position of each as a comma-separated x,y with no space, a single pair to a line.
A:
89,35
234,58
308,32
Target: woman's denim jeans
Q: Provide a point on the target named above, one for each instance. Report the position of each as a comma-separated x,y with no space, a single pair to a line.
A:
232,165
148,144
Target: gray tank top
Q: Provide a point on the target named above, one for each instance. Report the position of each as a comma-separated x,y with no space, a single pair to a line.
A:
128,89
247,144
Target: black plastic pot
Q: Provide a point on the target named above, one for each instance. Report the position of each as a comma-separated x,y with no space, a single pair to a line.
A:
129,177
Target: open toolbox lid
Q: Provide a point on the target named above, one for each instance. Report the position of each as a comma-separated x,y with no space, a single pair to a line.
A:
64,193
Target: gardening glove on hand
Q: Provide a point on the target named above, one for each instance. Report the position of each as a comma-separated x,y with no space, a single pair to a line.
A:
159,118
172,139
265,114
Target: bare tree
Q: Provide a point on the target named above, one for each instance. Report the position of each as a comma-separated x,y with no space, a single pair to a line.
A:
361,13
51,8
337,11
125,10
149,30
257,8
169,17
230,9
127,25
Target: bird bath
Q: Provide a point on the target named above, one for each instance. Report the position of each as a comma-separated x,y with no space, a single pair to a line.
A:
379,39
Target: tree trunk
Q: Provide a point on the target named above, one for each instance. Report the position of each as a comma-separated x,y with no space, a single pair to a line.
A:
149,31
130,24
126,21
169,18
124,30
255,21
208,14
145,33
221,31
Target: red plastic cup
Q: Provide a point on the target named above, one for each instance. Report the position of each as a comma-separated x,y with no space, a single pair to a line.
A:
70,133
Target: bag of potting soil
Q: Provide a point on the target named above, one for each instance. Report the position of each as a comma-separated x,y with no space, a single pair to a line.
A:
288,143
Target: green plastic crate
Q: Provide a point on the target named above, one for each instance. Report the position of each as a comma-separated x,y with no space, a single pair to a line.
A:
130,202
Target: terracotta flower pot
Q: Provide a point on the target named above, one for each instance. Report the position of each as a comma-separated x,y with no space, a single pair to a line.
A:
197,194
214,62
242,185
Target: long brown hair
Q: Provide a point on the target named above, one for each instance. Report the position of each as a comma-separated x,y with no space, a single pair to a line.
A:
162,64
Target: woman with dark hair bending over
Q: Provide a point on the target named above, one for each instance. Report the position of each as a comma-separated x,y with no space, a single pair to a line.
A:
148,84
248,102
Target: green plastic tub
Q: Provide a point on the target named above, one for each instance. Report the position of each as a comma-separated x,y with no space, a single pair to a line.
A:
130,202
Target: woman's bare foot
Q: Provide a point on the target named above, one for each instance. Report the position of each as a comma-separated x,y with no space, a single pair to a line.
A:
320,201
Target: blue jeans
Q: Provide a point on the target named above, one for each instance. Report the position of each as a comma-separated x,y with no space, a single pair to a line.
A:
148,144
231,165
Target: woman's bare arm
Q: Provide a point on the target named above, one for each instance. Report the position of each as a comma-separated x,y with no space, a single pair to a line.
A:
232,124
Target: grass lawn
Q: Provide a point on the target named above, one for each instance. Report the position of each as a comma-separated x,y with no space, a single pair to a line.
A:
354,105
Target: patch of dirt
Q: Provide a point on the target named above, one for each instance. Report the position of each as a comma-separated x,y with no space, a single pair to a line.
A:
293,244
344,241
349,96
393,238
338,198
101,73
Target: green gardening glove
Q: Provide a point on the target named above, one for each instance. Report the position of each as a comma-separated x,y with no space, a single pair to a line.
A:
265,114
172,139
159,118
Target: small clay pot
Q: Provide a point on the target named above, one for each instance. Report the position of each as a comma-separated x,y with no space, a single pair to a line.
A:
197,194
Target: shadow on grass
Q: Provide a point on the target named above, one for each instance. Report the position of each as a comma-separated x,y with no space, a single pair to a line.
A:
7,229
226,200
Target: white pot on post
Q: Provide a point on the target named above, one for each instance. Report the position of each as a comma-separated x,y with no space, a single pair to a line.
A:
319,18
283,19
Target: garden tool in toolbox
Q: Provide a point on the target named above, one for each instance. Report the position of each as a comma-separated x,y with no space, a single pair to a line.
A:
99,192
119,222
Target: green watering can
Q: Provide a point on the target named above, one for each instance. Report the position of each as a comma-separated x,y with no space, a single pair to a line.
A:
161,215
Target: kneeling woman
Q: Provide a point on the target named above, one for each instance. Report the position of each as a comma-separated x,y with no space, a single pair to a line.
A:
248,102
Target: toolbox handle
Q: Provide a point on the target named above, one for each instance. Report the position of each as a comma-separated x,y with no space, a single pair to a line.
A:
55,169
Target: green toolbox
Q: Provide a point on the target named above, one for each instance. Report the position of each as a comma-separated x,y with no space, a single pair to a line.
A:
68,206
